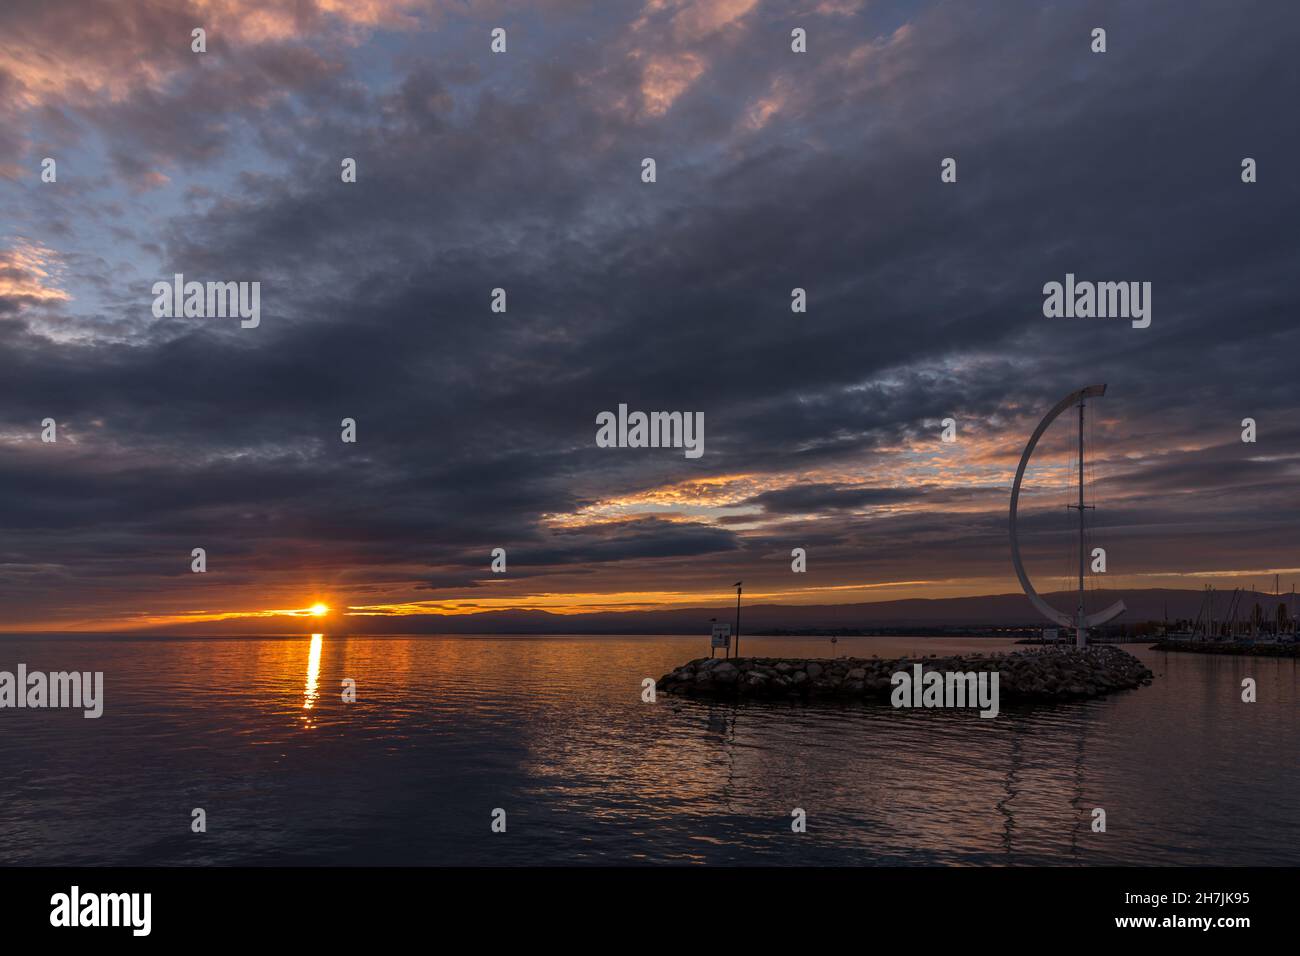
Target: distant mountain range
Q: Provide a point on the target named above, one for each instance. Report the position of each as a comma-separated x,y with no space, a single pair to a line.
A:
994,610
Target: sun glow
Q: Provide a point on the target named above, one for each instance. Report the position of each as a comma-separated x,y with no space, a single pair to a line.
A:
318,610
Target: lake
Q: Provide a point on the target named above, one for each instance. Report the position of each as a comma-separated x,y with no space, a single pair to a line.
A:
553,731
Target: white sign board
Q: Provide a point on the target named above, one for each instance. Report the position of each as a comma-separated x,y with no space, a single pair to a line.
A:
721,635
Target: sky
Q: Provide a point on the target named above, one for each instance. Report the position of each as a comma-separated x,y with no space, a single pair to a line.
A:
522,170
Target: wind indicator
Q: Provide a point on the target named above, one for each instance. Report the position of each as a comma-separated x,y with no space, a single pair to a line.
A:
1081,620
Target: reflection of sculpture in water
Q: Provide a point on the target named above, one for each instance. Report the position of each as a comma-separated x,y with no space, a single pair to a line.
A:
1011,785
1077,800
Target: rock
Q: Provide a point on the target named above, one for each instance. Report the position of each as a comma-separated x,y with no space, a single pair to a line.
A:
1040,675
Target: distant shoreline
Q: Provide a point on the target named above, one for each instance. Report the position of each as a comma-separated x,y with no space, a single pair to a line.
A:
989,615
939,630
919,633
1229,647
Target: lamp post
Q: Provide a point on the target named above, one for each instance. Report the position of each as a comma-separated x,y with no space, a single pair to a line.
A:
738,589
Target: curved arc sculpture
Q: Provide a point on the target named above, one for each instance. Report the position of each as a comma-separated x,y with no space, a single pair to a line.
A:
1051,613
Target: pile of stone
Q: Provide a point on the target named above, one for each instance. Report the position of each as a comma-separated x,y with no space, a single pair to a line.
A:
1024,676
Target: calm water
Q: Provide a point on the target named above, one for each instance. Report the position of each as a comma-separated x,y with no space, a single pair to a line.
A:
553,730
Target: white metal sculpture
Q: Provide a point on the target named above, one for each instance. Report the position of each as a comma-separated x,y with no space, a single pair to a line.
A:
1080,621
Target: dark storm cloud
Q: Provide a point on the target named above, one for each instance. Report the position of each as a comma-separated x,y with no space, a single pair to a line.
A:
803,499
478,172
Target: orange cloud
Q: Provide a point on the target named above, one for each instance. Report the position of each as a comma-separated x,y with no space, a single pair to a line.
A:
699,19
114,50
665,78
761,112
668,73
838,8
28,272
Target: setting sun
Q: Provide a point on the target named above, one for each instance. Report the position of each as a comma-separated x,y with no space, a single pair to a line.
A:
319,610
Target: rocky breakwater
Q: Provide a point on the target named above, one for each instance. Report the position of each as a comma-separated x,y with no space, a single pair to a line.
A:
1024,676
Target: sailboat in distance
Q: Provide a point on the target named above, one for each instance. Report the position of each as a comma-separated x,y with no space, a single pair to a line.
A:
1080,621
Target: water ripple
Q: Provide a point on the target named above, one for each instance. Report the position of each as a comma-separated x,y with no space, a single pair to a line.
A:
554,731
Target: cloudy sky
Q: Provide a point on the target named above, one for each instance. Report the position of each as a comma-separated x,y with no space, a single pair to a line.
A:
522,170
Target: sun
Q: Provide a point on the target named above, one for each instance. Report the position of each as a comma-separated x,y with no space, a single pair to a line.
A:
318,610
